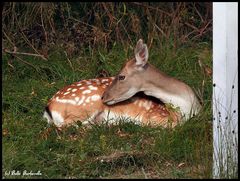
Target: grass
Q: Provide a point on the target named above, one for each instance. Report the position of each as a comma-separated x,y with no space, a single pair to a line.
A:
124,150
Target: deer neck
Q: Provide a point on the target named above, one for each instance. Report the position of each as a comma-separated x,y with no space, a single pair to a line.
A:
170,91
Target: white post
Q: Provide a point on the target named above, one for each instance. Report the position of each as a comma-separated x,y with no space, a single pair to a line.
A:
225,89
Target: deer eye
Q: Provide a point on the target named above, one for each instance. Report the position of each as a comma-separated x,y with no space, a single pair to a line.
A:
121,77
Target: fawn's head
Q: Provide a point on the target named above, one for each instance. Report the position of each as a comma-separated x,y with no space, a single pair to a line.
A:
130,79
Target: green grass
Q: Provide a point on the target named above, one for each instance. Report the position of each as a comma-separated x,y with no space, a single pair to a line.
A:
124,150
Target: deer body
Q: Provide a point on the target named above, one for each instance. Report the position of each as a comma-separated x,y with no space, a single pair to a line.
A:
139,75
81,101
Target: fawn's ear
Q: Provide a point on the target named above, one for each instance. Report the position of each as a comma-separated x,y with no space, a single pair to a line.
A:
141,53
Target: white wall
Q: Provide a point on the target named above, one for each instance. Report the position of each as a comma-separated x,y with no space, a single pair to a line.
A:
225,92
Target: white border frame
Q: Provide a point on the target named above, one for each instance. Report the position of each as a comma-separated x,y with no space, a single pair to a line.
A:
225,89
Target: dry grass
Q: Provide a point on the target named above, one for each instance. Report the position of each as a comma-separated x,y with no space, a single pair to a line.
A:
38,27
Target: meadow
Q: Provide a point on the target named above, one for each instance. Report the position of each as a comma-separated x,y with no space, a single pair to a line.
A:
125,150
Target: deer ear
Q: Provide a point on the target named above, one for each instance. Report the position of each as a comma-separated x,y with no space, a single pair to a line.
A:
141,53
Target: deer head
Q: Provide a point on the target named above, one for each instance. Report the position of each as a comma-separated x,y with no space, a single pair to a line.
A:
129,80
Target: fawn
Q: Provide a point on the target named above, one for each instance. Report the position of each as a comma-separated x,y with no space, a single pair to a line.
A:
110,98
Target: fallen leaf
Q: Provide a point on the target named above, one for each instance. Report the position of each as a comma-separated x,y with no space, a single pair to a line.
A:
181,165
208,71
5,132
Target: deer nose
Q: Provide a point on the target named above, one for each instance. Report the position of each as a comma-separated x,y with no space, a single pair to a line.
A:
104,98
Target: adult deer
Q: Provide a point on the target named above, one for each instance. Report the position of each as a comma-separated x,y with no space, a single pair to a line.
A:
81,101
139,75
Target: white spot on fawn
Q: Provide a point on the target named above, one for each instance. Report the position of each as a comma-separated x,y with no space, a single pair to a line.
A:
69,89
97,81
88,99
82,88
105,80
96,97
92,87
73,95
79,84
88,83
66,93
77,99
147,105
69,101
86,92
140,103
74,90
81,100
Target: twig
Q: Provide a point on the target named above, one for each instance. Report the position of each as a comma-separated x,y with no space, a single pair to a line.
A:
126,33
160,30
111,17
191,26
154,23
145,175
69,60
22,53
202,30
198,13
27,63
186,36
45,33
149,7
83,22
8,39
